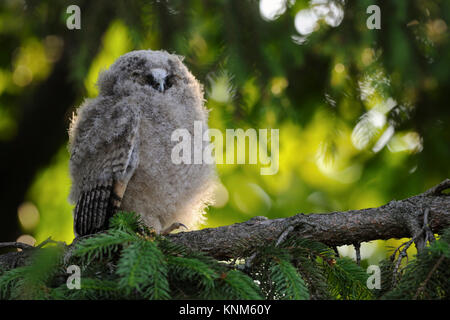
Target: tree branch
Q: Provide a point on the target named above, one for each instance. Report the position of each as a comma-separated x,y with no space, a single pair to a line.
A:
19,245
397,219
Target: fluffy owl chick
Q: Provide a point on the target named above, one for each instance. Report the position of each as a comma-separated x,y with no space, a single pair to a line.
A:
120,146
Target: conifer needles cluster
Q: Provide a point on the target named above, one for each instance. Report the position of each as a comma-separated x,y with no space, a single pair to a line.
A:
129,261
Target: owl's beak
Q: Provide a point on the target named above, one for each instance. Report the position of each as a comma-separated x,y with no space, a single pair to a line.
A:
159,77
161,86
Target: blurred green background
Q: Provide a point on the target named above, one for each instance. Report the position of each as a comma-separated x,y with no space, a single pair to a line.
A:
363,114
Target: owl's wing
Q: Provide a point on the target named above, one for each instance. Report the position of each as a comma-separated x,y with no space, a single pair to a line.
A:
106,168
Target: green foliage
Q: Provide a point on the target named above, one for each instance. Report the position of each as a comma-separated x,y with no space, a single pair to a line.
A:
32,281
126,221
237,285
304,269
91,288
129,261
287,281
348,280
427,276
103,244
8,281
195,269
143,268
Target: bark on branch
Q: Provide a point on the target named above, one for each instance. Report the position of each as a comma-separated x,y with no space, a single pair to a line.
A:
397,219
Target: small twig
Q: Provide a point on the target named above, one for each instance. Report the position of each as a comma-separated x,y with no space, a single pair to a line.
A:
437,190
357,246
46,241
398,249
249,261
281,238
19,245
429,235
284,235
402,254
424,283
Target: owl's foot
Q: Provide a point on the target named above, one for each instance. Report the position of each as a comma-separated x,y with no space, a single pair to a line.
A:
173,226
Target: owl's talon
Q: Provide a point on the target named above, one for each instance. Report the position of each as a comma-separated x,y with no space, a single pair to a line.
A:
173,226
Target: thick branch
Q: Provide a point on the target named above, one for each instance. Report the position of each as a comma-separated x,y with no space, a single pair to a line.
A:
397,219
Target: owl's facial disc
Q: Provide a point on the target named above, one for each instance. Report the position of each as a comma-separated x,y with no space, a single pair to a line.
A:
159,79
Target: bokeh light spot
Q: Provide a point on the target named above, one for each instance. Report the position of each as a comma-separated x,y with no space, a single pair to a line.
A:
27,239
221,196
22,76
272,9
306,22
339,68
28,216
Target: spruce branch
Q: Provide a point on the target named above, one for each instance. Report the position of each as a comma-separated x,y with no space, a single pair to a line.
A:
396,219
432,271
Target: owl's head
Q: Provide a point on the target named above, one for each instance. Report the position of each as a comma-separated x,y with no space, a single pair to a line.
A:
152,72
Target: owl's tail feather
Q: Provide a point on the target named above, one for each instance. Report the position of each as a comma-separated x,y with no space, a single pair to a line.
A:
94,209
